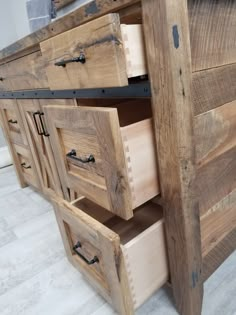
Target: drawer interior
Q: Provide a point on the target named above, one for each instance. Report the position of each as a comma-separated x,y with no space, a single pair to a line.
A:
144,216
129,111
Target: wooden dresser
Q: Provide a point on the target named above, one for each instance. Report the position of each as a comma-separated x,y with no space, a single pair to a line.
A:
123,114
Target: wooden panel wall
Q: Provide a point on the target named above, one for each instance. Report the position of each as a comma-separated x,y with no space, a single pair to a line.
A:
212,33
213,45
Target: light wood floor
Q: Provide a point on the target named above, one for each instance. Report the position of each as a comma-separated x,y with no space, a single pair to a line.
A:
36,279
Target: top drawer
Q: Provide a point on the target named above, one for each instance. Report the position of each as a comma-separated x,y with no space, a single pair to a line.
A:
97,54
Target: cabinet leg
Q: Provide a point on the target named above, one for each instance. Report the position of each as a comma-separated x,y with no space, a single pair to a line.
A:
166,32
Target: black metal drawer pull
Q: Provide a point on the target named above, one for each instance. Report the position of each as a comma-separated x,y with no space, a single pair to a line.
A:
64,62
1,79
45,133
40,133
88,262
72,154
12,121
24,166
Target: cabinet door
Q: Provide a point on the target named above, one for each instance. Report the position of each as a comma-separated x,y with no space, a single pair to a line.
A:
39,142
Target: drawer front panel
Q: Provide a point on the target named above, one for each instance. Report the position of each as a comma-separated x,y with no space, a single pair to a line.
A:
5,84
13,122
28,73
26,165
97,47
92,132
96,245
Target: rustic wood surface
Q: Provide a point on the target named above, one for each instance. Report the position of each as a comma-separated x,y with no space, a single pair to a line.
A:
212,33
219,254
100,42
28,73
214,87
165,23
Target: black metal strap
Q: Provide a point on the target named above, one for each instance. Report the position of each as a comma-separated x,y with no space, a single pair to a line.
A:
24,166
88,262
64,62
12,121
72,155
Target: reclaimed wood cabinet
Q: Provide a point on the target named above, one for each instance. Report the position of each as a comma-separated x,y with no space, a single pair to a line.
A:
135,107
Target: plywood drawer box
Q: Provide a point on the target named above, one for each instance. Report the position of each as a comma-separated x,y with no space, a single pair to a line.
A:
124,260
101,53
28,72
105,155
25,164
13,122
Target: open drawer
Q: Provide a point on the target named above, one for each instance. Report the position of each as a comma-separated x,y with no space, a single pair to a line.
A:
100,53
106,154
124,260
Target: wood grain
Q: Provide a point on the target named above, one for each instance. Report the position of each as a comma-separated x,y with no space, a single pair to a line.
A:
218,222
28,73
216,179
213,87
215,132
100,42
168,52
218,254
212,33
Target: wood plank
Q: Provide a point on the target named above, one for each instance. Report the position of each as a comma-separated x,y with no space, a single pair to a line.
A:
212,33
168,52
215,132
218,254
28,73
100,42
218,222
216,179
213,87
87,12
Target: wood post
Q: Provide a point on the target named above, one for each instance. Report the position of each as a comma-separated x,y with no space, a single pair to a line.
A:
166,32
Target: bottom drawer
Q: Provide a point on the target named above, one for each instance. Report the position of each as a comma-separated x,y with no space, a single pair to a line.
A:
124,260
25,165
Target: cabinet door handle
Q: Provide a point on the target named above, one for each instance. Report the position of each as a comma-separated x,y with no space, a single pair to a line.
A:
24,166
72,155
45,133
12,121
88,262
40,133
2,79
64,62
